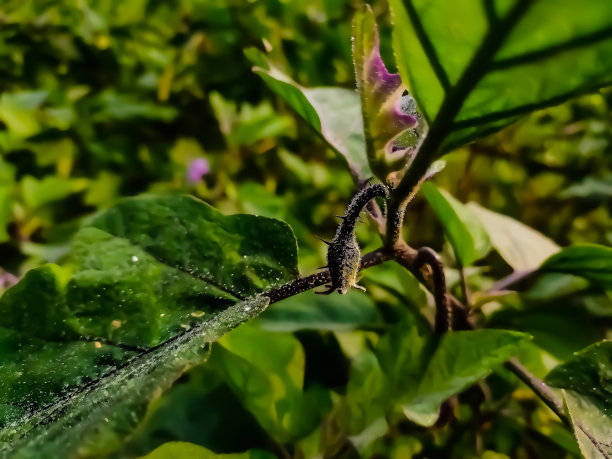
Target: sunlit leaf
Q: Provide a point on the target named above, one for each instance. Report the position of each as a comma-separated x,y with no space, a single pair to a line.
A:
181,450
268,379
332,112
464,230
522,247
475,67
393,128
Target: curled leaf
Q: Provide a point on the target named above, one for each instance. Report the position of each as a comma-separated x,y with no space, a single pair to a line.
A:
392,124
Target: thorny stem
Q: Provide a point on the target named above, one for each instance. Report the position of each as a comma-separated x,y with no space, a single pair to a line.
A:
303,284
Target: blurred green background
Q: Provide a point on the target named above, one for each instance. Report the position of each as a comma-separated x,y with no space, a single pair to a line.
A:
101,99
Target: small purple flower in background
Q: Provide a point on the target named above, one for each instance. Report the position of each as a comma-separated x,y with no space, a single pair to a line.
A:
198,168
7,280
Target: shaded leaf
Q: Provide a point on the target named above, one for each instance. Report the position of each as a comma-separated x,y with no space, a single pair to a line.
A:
332,112
461,359
464,230
522,247
591,261
475,67
314,312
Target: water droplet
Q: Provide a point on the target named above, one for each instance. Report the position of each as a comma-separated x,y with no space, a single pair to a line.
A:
134,258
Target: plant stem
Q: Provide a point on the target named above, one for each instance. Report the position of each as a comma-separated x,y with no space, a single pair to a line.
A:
541,389
303,284
427,256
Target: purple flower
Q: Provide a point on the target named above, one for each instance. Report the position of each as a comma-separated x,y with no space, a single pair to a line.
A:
8,280
198,168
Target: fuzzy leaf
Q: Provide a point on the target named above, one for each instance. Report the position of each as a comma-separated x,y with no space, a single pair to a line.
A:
393,127
155,279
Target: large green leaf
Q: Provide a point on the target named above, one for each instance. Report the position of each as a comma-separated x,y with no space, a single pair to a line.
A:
591,261
461,359
522,247
464,230
475,67
587,383
333,112
154,279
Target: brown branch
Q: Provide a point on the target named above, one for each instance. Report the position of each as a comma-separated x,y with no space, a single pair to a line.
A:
407,256
427,256
540,388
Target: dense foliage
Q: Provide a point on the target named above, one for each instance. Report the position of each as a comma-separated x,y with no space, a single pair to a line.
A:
120,289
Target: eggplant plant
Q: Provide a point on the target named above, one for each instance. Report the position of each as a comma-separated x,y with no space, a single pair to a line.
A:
155,280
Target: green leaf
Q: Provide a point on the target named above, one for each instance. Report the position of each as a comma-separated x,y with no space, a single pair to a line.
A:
522,247
461,359
333,112
314,312
182,450
475,67
464,230
592,428
148,275
268,379
393,128
587,386
99,415
591,261
367,394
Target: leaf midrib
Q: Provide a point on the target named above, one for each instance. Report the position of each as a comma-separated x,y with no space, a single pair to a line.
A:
456,96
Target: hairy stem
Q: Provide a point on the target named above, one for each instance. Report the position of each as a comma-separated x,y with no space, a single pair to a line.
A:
303,284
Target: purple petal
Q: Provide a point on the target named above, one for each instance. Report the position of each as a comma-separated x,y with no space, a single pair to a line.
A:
198,168
8,280
378,75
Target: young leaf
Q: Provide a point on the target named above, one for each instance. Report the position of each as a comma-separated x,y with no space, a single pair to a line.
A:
332,112
522,247
145,272
393,128
475,67
588,394
461,359
464,230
